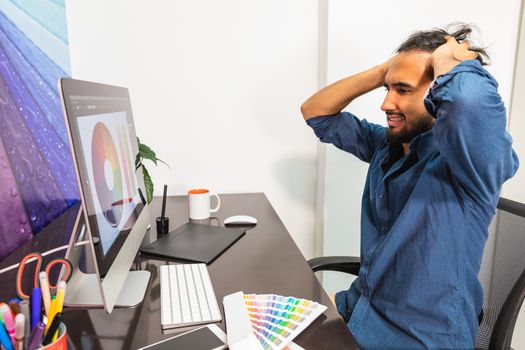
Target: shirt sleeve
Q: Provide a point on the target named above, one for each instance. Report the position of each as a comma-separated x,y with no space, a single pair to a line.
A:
470,129
347,132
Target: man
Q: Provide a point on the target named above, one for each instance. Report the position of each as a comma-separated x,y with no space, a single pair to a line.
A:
432,187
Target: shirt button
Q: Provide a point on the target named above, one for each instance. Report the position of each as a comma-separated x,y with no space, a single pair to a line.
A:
365,263
381,195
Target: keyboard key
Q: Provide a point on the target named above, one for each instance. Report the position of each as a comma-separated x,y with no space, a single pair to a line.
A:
192,294
166,316
183,290
203,303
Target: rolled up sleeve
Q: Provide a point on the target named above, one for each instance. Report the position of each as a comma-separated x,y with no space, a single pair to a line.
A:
470,129
347,132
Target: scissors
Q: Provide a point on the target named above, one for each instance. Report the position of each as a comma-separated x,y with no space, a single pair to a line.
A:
59,261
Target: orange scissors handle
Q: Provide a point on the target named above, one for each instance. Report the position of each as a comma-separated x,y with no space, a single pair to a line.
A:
67,273
20,273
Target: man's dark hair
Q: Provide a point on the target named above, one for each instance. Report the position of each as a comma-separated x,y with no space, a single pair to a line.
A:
429,40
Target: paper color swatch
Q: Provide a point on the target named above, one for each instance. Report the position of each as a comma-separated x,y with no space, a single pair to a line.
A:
276,320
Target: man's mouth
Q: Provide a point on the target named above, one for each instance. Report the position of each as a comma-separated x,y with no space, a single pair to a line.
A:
395,120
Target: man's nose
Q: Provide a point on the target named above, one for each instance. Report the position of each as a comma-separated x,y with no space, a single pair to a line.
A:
389,104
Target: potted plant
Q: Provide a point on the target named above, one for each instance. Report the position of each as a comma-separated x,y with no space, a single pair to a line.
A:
146,153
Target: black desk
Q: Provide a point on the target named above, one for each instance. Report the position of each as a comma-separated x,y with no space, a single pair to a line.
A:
265,260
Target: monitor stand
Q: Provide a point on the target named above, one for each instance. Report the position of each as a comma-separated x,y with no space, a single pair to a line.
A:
84,289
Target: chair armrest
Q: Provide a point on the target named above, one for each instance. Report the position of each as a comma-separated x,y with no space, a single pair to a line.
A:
346,264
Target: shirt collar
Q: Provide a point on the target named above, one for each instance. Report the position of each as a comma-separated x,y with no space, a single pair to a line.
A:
422,145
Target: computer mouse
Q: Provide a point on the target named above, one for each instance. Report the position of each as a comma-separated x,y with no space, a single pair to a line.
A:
240,220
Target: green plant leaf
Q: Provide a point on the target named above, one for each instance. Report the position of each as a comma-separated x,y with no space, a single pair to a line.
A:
148,183
166,164
147,153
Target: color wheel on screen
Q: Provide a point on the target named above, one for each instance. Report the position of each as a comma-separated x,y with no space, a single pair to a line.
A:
276,320
107,174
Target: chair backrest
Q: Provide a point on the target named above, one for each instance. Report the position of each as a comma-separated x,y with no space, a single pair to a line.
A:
502,276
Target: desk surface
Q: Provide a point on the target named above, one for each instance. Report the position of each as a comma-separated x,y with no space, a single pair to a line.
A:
265,260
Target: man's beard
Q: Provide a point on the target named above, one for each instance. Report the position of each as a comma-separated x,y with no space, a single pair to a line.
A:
410,129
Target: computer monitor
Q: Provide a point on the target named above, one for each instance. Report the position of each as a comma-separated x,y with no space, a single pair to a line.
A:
104,147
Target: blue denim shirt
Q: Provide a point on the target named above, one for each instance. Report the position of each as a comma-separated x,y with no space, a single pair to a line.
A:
424,221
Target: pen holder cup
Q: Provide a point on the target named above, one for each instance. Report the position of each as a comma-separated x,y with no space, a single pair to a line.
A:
61,342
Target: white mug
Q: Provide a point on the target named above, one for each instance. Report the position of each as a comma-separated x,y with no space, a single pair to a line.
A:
199,201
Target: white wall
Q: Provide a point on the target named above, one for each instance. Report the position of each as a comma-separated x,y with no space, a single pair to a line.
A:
216,88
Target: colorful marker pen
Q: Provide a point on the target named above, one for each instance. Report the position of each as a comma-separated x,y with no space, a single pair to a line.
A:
36,306
8,321
1,317
61,293
24,309
15,307
5,341
52,312
46,295
20,321
36,336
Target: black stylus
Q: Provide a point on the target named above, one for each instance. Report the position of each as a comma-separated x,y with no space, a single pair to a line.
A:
164,202
142,197
163,223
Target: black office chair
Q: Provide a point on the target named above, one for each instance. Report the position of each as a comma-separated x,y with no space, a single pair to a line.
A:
502,275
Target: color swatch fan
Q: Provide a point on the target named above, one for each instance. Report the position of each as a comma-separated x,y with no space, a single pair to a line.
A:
266,321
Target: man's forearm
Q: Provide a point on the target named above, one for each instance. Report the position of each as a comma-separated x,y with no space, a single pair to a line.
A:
449,55
333,98
443,66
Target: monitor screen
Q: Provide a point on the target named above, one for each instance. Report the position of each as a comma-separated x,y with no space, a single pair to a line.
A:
105,147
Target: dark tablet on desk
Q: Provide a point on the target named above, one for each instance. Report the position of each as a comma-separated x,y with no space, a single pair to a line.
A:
194,242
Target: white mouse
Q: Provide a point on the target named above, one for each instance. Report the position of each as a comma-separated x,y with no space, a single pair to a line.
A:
240,220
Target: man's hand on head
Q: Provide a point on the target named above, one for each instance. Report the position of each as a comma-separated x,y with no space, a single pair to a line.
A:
385,66
449,55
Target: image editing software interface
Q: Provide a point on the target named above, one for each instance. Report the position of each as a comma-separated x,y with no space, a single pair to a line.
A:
105,149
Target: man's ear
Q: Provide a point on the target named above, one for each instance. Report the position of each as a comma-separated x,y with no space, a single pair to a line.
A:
429,72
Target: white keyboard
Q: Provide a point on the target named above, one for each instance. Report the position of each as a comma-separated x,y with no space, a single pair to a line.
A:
186,296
